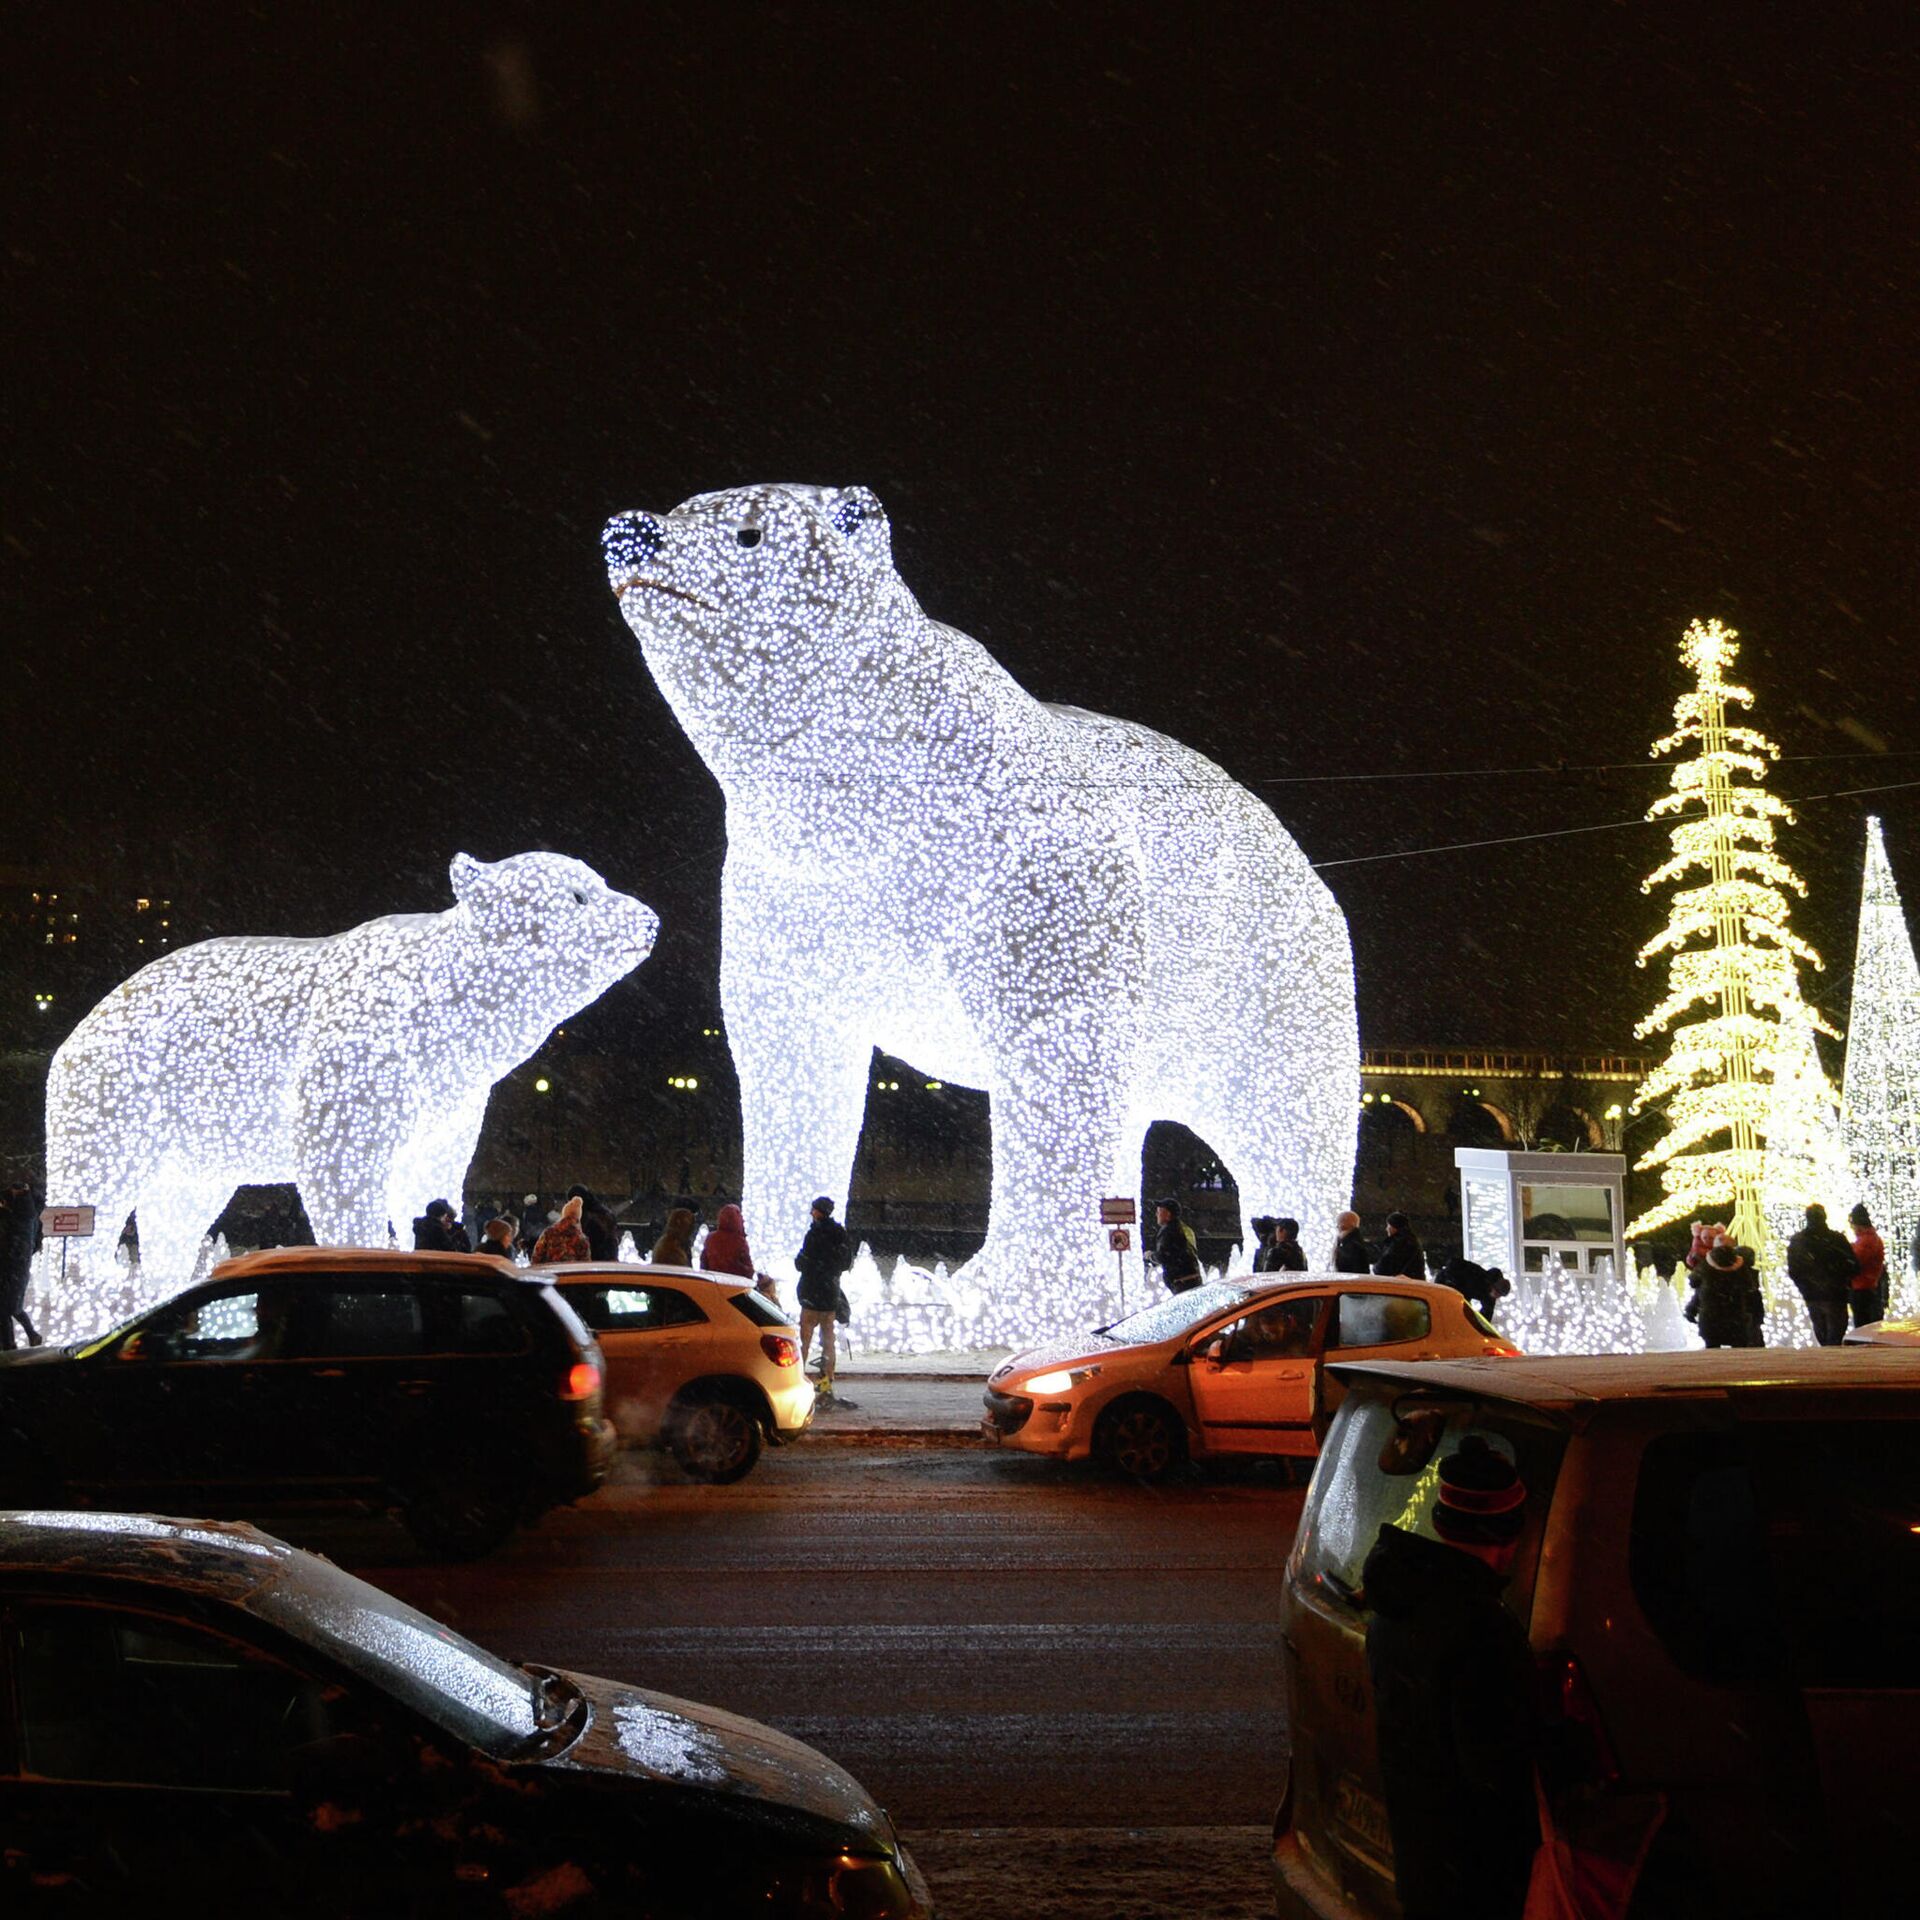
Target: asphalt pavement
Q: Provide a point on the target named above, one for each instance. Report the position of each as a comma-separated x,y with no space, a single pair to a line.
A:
1066,1688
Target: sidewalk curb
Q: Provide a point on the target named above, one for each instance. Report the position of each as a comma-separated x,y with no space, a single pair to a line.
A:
890,1436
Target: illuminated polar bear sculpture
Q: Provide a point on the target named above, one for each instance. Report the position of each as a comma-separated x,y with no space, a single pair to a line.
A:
357,1067
1078,914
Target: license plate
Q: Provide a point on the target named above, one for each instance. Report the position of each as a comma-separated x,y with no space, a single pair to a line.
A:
1359,1823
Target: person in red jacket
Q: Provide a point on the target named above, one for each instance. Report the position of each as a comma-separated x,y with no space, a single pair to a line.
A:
1867,1295
726,1251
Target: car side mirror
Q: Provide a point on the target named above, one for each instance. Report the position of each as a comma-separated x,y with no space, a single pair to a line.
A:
1215,1351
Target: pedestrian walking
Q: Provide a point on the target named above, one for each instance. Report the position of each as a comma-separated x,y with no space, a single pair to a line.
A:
1402,1256
1287,1255
565,1243
1725,1304
1867,1295
597,1223
1822,1266
1351,1254
674,1248
1453,1680
1175,1251
20,1239
824,1256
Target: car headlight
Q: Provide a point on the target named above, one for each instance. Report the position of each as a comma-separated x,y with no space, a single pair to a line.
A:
1062,1380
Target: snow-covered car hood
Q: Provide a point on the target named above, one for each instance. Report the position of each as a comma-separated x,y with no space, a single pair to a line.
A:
1056,1353
684,1744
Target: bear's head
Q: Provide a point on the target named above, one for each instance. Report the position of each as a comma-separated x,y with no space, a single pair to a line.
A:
554,921
739,599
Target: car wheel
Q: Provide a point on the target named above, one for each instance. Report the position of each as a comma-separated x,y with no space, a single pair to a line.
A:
714,1438
1141,1438
458,1517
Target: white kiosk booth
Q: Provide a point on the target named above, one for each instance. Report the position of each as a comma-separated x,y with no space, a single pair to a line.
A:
1526,1212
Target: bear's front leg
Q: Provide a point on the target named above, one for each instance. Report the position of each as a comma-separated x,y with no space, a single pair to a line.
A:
350,1108
1049,967
801,1048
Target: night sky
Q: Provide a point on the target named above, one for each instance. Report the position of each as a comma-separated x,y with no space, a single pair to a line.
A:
1346,391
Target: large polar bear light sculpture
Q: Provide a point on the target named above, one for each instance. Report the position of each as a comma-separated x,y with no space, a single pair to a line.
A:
1078,914
357,1067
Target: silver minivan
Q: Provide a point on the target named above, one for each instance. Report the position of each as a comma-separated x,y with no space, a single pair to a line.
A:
1720,1579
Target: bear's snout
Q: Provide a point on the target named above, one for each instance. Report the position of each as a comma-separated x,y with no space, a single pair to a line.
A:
631,540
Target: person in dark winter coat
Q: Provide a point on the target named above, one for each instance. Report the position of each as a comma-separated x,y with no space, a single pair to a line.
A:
1453,1677
1868,1294
674,1248
19,1241
1175,1251
1486,1287
1822,1266
1286,1255
1351,1254
599,1225
1403,1256
564,1244
438,1230
825,1254
1726,1303
1263,1243
499,1236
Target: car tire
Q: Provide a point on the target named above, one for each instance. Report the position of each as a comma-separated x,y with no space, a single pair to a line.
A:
713,1435
459,1516
1141,1438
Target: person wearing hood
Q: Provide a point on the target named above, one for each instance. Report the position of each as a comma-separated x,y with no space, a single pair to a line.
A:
726,1250
1868,1296
674,1248
1822,1266
565,1243
1453,1677
1403,1257
600,1227
1726,1305
1351,1254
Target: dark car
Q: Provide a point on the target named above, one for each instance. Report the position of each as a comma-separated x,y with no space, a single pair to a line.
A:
451,1388
193,1712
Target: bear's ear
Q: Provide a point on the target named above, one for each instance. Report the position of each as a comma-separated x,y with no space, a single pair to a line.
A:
465,873
860,520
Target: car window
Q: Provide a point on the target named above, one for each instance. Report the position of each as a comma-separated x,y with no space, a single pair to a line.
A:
473,1322
446,1679
1377,1469
1378,1320
1783,1545
106,1695
623,1309
1280,1332
240,1323
358,1322
758,1308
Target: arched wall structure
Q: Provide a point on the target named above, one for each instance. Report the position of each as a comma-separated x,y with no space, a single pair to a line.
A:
924,858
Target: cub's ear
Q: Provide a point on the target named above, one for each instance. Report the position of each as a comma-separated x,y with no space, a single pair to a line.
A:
860,520
465,874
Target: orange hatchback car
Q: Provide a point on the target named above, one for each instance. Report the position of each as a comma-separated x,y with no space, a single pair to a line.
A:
698,1363
1235,1367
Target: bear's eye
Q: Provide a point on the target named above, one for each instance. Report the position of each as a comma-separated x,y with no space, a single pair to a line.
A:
748,536
847,517
579,898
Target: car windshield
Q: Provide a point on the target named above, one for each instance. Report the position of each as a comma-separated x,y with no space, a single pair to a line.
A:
461,1688
1166,1319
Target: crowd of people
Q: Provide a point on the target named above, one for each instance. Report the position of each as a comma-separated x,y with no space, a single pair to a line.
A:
1176,1251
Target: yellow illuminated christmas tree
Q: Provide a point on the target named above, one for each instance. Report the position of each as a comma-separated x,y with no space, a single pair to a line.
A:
1733,1010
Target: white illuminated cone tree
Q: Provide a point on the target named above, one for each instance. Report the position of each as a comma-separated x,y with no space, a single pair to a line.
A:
1733,1010
1882,1085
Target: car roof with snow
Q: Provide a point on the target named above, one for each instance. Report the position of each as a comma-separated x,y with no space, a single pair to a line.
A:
338,1260
604,1270
1573,1386
222,1558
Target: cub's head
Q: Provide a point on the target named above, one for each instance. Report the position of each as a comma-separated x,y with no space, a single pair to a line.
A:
752,591
556,918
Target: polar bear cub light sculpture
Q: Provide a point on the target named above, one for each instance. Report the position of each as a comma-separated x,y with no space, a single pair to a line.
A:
357,1067
1085,918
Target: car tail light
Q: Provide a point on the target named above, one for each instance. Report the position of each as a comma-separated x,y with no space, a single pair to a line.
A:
1569,1699
583,1381
780,1350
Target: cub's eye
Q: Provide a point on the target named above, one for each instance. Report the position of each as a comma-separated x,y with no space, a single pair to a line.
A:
579,898
847,517
748,536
